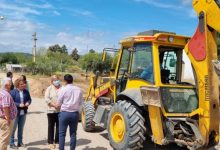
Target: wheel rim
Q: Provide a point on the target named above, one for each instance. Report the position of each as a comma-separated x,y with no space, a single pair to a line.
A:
83,117
117,127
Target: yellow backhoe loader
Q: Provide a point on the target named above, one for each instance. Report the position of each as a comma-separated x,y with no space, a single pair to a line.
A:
147,93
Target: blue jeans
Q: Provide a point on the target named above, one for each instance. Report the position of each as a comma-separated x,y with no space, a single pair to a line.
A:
68,119
19,122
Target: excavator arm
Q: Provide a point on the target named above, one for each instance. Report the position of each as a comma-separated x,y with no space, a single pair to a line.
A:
201,50
211,8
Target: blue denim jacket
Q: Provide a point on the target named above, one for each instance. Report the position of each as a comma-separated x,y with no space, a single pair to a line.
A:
16,97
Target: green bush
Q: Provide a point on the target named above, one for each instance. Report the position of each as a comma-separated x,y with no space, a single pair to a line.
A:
93,62
50,63
8,58
73,69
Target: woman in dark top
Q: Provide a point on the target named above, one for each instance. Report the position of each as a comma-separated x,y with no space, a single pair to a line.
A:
22,100
23,77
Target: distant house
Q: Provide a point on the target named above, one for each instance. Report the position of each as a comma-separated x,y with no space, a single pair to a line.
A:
14,67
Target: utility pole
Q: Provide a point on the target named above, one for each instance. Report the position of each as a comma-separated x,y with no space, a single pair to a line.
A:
34,46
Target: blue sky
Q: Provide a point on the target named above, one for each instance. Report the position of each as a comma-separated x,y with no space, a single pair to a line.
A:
88,23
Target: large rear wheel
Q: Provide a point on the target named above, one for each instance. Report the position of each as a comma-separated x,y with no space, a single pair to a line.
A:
126,128
87,115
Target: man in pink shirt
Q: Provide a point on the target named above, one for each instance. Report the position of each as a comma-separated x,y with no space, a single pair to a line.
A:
69,100
8,113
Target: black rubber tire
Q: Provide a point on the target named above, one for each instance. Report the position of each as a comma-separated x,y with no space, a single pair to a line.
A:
135,129
89,111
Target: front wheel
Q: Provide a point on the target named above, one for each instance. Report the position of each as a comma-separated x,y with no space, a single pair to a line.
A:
87,115
126,128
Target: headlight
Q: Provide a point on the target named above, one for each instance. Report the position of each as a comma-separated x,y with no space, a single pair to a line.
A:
171,39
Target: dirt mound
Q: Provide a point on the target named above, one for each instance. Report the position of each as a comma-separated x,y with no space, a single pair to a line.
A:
39,84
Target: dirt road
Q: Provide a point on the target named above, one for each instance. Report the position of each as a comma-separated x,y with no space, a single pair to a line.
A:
35,133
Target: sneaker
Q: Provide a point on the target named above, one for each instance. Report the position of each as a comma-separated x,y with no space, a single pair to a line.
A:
57,146
13,146
22,145
51,146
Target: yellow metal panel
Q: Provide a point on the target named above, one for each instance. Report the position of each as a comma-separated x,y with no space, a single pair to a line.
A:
156,64
207,87
116,72
212,11
156,124
163,39
137,83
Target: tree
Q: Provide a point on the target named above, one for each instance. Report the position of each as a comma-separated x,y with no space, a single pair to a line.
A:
75,54
42,51
92,61
91,51
23,58
64,49
51,63
57,49
8,58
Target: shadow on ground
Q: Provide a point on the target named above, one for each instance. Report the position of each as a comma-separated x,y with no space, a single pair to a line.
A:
81,142
96,148
104,135
97,129
34,148
42,142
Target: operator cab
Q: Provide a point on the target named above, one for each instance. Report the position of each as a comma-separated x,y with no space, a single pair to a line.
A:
157,59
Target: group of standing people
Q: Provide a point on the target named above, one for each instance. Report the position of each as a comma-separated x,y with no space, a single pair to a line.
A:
63,104
63,110
14,102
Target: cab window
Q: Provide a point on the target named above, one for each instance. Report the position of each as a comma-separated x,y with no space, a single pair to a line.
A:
175,66
124,64
170,65
123,69
142,64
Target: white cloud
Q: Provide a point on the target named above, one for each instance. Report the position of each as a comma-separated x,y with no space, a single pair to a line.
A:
83,12
184,6
56,13
160,4
186,2
16,35
78,12
192,13
81,41
40,6
24,10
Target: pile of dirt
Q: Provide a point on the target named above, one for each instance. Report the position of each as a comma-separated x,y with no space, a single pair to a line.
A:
39,84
